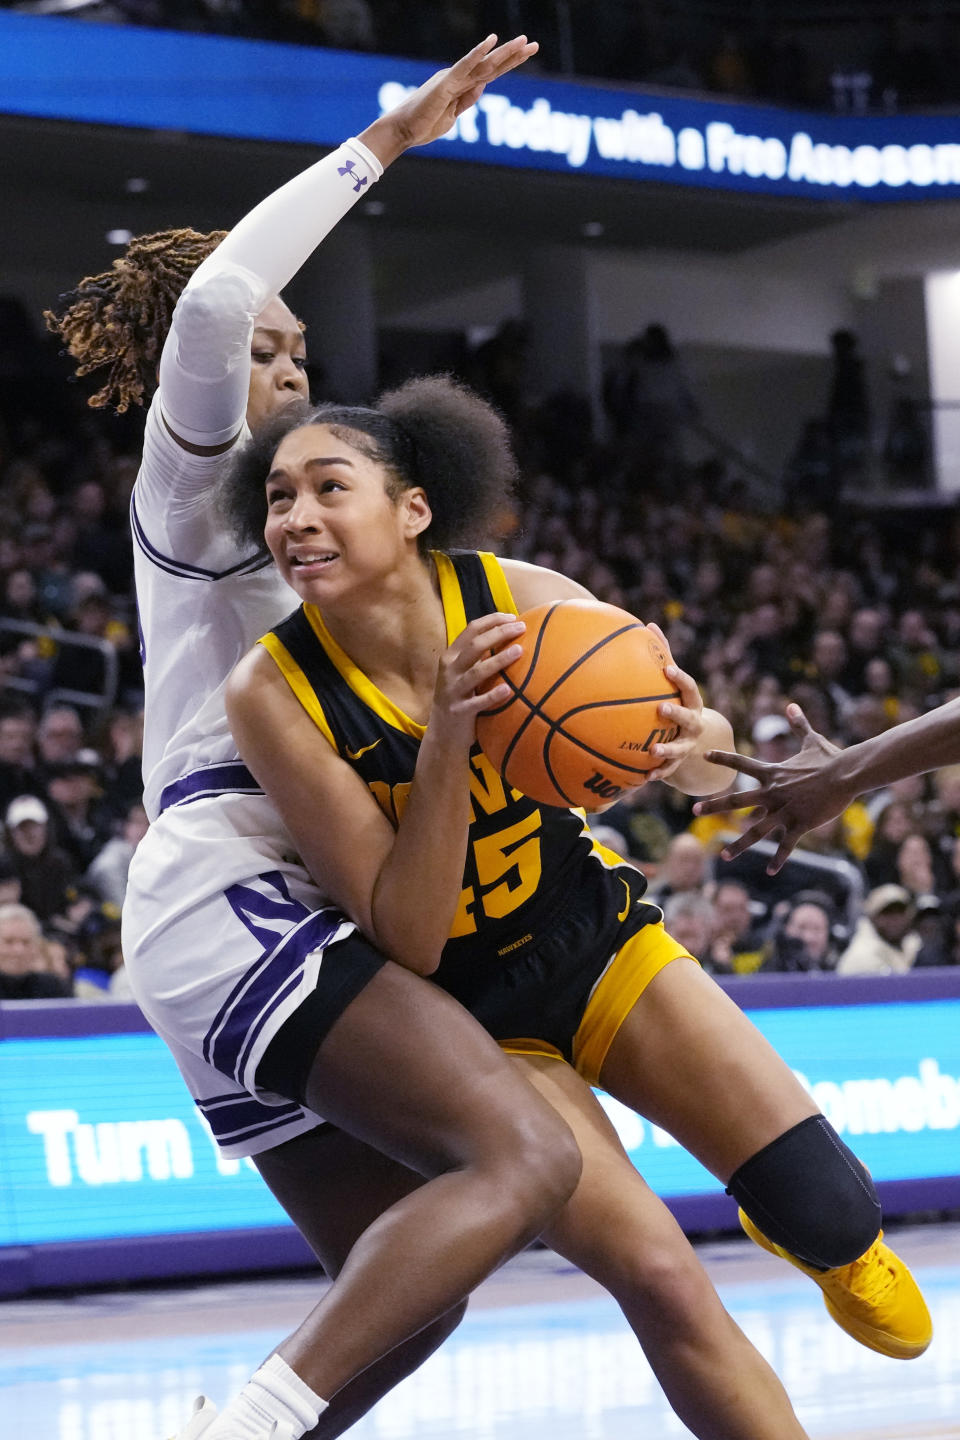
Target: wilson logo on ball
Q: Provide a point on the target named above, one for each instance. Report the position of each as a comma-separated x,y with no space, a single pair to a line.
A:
603,789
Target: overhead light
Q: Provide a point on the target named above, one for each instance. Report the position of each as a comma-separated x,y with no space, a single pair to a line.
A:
119,237
374,207
136,185
593,229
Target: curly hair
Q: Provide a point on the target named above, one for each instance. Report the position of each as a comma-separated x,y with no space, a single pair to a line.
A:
432,431
118,321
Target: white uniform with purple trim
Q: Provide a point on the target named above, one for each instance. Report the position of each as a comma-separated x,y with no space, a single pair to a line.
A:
223,929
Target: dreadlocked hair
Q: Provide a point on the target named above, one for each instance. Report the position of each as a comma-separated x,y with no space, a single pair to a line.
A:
119,320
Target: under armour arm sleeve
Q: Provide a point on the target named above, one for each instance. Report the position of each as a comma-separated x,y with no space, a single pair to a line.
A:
205,366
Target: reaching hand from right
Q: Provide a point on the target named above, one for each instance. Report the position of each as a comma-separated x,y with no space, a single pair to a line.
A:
430,111
793,796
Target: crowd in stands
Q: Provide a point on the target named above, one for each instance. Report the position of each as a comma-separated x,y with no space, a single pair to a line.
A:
853,614
862,57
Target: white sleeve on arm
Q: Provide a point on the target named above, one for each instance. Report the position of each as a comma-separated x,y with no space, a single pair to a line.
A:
205,365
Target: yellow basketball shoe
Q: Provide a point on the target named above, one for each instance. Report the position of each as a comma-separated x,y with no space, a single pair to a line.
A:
875,1299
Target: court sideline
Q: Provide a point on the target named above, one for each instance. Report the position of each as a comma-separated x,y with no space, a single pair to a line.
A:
543,1351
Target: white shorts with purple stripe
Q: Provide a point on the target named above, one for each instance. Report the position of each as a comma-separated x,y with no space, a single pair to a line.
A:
224,934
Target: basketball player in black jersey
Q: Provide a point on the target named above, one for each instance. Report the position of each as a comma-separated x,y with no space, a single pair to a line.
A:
374,685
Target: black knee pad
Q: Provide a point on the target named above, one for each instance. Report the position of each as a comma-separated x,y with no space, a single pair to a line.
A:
809,1193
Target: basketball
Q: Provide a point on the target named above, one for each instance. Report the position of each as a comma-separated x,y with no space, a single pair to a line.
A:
583,717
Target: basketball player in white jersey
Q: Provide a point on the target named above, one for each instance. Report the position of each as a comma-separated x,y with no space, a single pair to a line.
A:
276,1010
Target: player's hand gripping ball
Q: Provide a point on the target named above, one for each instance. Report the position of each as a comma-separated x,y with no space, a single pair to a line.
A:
584,714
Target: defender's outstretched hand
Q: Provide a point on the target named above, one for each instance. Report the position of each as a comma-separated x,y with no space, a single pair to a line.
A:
793,796
430,111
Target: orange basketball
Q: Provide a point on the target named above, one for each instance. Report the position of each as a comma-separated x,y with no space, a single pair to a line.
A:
579,726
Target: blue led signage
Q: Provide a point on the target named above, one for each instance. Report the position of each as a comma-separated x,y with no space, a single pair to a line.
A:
131,76
99,1138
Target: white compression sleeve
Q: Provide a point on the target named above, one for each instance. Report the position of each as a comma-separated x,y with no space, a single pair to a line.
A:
205,365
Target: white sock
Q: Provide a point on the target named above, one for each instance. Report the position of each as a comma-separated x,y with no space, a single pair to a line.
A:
274,1393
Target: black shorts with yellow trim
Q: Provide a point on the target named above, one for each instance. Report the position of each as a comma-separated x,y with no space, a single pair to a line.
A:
565,990
619,988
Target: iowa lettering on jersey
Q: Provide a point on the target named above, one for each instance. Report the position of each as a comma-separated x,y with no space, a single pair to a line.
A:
605,789
507,863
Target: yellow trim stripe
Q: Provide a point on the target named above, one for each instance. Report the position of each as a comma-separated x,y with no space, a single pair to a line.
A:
361,684
451,596
298,683
456,620
531,1047
499,589
617,991
609,859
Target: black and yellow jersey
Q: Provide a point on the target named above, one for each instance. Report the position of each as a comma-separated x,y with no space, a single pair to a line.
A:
527,864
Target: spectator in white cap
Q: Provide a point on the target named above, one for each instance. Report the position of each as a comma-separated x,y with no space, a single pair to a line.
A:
29,811
45,871
885,941
771,738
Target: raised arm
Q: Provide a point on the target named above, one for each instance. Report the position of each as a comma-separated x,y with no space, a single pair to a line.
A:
204,369
820,781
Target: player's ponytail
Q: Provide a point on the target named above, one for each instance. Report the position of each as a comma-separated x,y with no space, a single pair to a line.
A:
463,458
